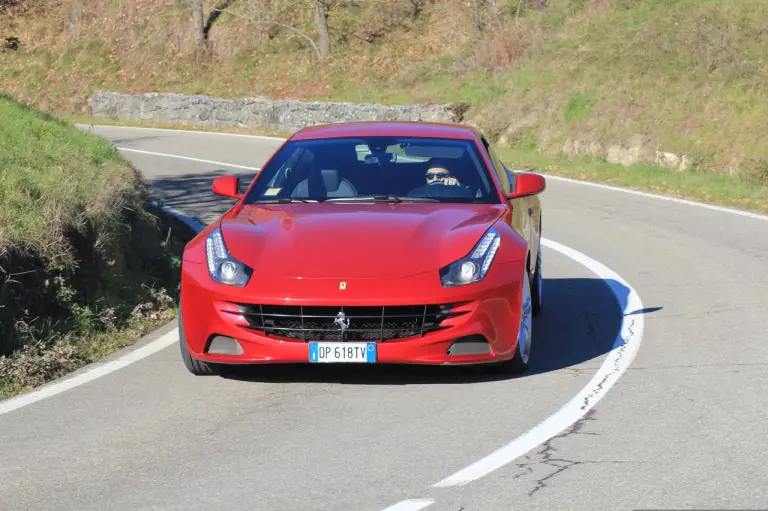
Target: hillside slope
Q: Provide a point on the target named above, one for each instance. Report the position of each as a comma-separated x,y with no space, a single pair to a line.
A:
622,79
84,268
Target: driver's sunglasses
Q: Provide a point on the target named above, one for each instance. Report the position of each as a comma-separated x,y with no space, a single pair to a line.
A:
431,176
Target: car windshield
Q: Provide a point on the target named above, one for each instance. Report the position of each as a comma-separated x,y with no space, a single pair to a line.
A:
361,169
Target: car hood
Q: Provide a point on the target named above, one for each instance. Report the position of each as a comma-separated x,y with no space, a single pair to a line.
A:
354,241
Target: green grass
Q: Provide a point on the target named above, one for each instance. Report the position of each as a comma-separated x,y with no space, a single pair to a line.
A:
54,178
84,267
719,189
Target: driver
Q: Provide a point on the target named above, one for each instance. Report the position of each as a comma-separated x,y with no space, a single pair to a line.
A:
440,182
437,174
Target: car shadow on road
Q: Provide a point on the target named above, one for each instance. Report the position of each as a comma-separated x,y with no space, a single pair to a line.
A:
192,194
580,322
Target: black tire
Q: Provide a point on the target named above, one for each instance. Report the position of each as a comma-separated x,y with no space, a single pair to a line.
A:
537,284
194,366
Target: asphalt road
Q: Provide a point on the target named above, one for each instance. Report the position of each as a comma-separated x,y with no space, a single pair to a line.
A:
683,427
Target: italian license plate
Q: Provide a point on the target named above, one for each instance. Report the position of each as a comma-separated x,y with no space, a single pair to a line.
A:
360,352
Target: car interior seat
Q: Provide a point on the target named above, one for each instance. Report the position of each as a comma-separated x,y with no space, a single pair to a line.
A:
332,186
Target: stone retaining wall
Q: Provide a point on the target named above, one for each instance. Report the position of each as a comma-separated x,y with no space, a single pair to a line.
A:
287,115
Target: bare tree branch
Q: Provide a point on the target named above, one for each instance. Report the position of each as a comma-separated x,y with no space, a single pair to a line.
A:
276,23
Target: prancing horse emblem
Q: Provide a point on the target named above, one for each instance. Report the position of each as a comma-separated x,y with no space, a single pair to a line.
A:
340,317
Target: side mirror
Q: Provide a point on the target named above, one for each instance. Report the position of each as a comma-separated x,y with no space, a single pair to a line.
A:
527,184
227,186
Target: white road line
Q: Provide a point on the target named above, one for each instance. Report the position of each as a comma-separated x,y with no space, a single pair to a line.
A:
613,367
669,198
201,132
97,371
649,195
167,155
616,363
619,359
410,505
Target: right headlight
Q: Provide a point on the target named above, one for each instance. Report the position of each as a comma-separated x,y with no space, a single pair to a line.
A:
473,267
222,267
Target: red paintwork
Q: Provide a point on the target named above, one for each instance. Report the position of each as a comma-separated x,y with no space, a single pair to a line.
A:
386,128
226,186
389,254
528,184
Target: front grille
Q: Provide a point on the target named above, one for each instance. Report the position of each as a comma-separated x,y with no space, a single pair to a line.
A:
316,323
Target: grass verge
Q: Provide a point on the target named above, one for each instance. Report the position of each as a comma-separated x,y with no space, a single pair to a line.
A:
85,266
718,189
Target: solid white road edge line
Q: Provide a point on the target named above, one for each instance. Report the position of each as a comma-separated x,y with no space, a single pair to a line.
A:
615,364
623,353
678,200
99,370
95,372
619,189
166,155
410,505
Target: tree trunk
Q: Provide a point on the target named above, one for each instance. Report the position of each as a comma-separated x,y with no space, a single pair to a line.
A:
199,22
321,26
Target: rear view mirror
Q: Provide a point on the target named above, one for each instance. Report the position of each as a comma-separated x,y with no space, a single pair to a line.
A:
227,186
527,184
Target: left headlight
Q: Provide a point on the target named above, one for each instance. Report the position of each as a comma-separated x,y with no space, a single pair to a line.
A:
222,267
473,267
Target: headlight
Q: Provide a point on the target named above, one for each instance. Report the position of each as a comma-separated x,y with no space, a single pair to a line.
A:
473,267
222,267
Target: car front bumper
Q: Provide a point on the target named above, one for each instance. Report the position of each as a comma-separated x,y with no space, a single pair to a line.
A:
224,325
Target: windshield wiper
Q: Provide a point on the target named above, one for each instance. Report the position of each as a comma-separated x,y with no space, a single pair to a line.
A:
381,198
281,200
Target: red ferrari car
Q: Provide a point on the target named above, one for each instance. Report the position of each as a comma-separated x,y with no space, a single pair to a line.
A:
372,242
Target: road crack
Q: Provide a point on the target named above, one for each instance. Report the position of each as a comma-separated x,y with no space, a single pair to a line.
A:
591,318
548,456
615,370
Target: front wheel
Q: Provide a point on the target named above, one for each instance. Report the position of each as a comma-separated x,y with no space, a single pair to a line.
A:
194,366
519,363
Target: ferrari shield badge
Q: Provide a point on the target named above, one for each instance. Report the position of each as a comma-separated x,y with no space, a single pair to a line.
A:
342,285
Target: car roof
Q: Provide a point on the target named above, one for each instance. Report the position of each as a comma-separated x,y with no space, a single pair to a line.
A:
385,129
